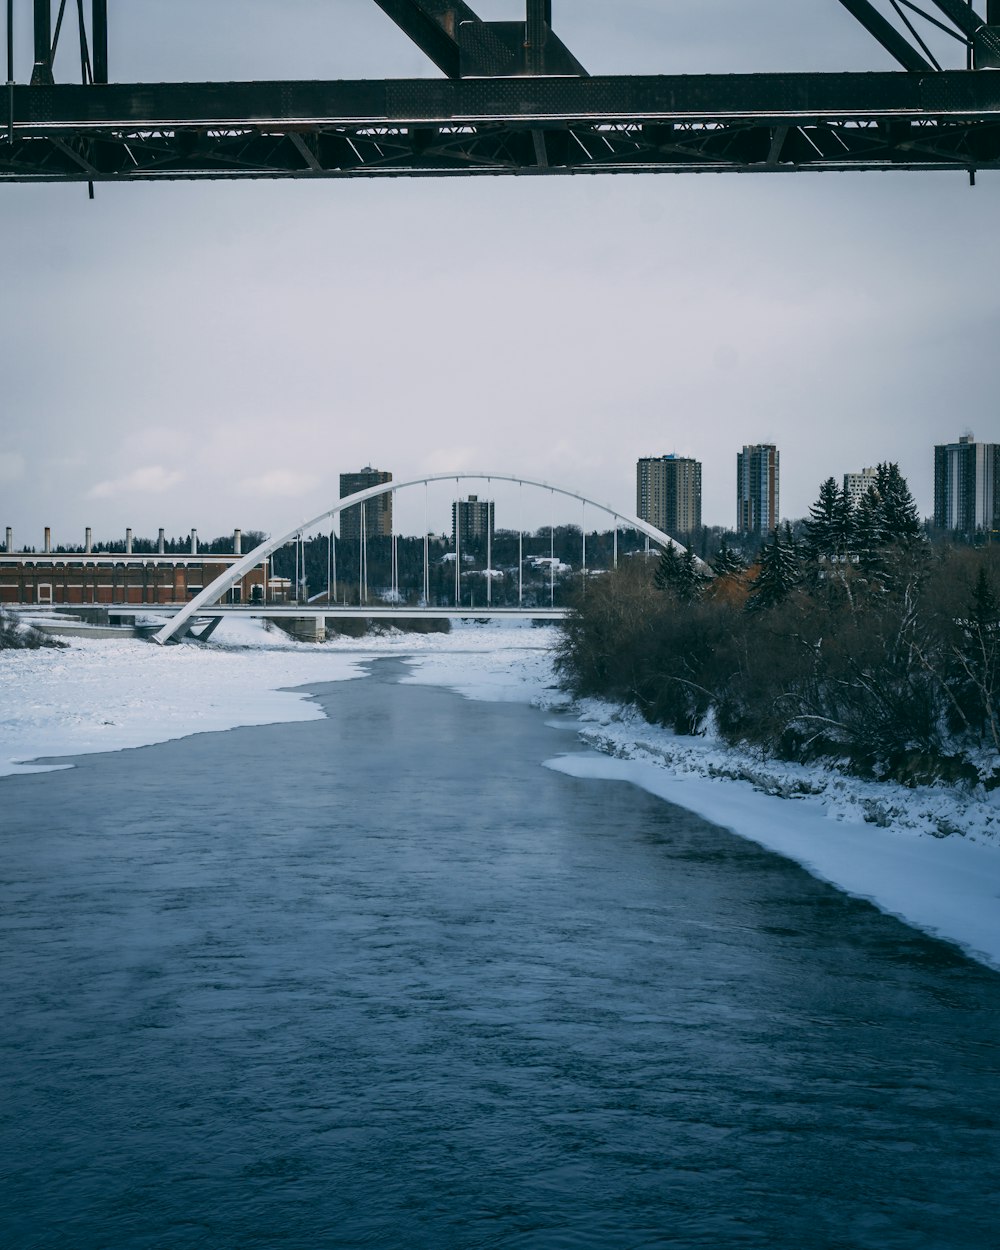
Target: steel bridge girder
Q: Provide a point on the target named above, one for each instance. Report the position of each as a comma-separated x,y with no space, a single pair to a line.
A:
537,126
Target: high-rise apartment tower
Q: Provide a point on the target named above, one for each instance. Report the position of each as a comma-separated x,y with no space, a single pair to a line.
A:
757,482
668,493
967,486
475,519
859,484
378,511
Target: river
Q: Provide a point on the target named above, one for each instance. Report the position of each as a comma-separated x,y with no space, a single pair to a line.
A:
381,980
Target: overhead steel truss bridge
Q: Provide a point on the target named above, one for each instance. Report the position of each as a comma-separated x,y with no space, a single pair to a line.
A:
512,99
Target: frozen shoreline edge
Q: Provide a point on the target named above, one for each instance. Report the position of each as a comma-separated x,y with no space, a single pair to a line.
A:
947,890
904,852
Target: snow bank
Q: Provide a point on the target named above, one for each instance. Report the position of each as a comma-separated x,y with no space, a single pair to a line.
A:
938,811
502,663
109,694
949,888
930,856
104,695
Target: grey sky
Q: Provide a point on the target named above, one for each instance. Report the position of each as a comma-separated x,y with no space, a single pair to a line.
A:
215,355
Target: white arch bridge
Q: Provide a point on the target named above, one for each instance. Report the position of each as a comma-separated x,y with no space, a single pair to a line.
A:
206,602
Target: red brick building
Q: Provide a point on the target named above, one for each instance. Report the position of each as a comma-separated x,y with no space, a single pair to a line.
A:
68,577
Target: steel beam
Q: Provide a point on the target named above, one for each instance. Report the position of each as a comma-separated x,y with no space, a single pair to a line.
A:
41,74
99,20
888,36
464,46
433,27
305,151
204,107
961,14
536,32
537,126
91,171
9,101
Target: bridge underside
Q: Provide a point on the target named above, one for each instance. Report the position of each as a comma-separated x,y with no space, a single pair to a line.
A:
366,612
532,125
311,622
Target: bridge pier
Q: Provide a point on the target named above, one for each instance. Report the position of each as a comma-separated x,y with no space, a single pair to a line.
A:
302,628
208,630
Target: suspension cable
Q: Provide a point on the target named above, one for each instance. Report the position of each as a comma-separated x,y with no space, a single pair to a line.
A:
583,530
458,551
520,544
552,550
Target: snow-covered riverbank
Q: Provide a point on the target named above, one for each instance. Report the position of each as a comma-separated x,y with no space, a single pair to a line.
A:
930,856
110,694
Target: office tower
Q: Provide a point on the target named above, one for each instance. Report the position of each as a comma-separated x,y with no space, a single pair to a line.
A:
757,481
378,511
475,519
967,486
858,484
668,493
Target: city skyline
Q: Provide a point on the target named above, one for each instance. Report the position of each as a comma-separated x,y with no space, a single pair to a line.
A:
686,496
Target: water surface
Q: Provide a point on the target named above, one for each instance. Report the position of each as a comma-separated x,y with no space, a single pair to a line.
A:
382,980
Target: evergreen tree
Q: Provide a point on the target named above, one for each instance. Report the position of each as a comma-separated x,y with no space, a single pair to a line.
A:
779,572
869,534
819,527
888,542
667,572
691,580
726,562
984,614
900,522
679,575
976,686
842,525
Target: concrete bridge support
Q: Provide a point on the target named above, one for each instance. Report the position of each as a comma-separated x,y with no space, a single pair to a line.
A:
302,628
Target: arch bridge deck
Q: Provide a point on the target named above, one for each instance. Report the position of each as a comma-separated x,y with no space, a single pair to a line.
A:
369,612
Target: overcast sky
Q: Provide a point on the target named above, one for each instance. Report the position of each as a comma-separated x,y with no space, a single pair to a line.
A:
215,355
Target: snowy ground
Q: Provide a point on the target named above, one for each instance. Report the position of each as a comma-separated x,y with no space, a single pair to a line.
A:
108,694
930,856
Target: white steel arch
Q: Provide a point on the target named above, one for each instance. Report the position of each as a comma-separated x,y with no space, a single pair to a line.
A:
214,591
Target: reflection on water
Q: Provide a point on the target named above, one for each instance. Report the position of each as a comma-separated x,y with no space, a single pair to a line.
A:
381,980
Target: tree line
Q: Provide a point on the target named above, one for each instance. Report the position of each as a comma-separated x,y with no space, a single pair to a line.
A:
856,640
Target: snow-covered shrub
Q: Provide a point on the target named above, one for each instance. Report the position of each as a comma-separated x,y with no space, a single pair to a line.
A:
15,636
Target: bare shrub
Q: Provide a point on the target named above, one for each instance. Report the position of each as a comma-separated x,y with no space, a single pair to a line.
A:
17,637
898,677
